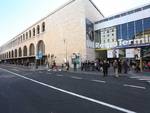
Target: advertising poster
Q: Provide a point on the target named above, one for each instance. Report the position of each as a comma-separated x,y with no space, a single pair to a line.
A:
113,53
89,34
133,53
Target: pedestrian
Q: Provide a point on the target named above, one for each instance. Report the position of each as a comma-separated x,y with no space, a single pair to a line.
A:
67,66
125,66
105,68
119,66
82,66
75,66
115,65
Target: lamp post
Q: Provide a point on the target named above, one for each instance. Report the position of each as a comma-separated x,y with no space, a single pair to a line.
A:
65,44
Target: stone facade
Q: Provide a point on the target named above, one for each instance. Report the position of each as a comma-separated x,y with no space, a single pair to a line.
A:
64,34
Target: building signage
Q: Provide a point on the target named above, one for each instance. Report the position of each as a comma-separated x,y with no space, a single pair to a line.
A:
106,45
136,41
122,42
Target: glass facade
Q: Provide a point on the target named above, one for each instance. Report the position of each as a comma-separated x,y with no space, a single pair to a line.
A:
118,33
132,30
124,31
139,28
97,36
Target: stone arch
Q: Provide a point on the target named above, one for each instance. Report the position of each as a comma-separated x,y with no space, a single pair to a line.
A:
41,47
12,54
31,49
20,52
9,54
25,51
15,53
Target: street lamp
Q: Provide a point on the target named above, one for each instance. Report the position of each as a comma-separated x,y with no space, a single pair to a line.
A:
65,43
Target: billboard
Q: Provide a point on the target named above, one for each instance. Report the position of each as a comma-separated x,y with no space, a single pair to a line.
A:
133,53
90,34
113,53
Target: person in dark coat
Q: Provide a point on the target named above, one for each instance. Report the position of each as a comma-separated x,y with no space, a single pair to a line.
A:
125,66
105,68
119,66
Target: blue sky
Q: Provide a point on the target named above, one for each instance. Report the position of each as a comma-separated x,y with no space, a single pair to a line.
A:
17,15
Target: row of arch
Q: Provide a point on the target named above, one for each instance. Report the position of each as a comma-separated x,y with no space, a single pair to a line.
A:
23,52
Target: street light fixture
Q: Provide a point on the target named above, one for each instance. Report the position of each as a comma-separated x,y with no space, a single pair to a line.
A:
65,43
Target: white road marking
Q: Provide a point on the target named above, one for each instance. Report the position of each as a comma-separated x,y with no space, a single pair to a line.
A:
133,86
99,81
133,77
79,78
73,94
144,79
59,75
49,73
15,69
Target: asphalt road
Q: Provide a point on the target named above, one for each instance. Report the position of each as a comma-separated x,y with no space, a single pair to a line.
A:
27,91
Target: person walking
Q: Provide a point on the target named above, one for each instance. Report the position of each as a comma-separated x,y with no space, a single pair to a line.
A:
125,67
115,65
75,66
67,66
119,67
105,68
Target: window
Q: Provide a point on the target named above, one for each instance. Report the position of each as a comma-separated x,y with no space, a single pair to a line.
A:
146,7
43,26
23,36
30,33
108,40
139,28
130,12
131,30
146,24
33,31
97,36
124,31
38,29
117,16
118,33
137,10
123,14
26,35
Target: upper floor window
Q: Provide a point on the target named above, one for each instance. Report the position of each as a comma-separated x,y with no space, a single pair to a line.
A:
108,40
43,26
33,31
26,35
38,29
23,36
30,34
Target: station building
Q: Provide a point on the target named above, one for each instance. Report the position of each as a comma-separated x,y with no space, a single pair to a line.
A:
66,34
78,31
124,35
